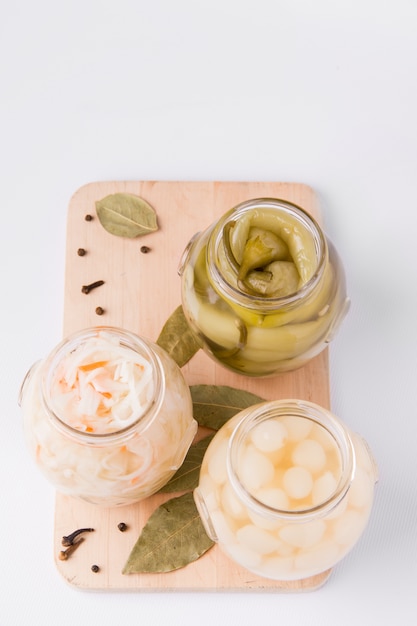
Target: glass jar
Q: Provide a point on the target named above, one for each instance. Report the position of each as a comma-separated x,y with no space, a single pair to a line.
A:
286,489
263,288
107,416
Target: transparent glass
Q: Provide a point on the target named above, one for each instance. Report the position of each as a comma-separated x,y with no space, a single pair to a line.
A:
284,311
107,416
286,489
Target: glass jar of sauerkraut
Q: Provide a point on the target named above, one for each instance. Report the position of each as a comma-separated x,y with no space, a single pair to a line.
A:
286,489
263,288
107,416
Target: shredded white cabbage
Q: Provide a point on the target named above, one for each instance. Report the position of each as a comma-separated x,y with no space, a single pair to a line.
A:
100,388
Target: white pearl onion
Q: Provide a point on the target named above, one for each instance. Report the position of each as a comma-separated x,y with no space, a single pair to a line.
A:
298,482
269,435
257,539
217,463
323,488
309,453
255,470
303,535
297,427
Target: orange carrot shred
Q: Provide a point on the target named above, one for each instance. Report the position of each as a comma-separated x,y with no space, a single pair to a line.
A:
92,366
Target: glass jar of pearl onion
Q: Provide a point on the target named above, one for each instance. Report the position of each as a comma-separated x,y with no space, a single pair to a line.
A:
286,489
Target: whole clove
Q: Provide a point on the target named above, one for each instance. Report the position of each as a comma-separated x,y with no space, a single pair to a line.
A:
65,554
88,288
68,540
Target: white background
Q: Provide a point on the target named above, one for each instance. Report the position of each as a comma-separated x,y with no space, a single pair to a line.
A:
321,92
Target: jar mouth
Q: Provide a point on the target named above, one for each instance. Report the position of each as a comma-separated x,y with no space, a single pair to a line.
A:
254,301
292,408
126,340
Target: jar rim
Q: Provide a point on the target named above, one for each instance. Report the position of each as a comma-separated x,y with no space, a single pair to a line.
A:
300,408
254,301
127,339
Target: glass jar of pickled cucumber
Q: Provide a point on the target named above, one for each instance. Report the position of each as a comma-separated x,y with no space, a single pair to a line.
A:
107,416
263,288
286,489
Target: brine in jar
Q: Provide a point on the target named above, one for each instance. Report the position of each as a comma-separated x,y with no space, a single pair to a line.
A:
107,416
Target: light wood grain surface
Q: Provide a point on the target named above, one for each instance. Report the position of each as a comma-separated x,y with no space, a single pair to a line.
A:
139,293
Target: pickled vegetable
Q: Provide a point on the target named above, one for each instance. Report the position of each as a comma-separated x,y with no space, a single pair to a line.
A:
290,464
261,248
263,289
277,280
100,391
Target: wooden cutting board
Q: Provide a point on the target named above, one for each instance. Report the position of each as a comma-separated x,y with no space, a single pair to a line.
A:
140,291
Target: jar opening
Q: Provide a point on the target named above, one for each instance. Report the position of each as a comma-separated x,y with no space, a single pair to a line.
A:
289,242
100,383
290,459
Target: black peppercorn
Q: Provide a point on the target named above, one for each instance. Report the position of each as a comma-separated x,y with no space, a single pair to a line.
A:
81,252
145,249
122,527
88,217
95,568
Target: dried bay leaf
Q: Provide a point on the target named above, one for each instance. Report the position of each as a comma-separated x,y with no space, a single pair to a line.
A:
177,338
186,477
173,537
214,405
126,215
